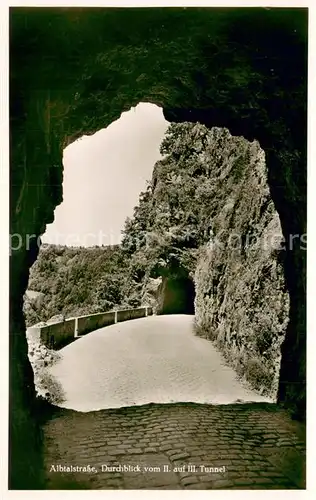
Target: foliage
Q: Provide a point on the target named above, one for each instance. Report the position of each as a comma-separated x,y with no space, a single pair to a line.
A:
162,238
76,281
170,222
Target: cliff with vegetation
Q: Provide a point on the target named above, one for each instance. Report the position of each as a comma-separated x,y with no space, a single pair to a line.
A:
207,219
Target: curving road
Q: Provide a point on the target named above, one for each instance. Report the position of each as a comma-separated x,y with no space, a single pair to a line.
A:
156,359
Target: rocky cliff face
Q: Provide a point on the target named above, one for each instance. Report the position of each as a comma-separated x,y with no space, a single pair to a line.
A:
208,229
241,299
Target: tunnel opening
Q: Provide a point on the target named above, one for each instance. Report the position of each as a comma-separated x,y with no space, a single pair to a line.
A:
245,79
199,187
178,294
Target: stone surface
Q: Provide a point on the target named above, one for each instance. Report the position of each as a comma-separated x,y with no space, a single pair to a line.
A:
241,300
81,439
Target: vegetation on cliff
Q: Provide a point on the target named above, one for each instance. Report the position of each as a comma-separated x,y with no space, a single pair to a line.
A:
75,281
208,216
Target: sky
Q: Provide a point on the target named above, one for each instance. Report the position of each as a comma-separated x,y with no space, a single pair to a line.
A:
103,177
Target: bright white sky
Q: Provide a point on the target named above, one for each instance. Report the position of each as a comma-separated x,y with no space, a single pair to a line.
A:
103,177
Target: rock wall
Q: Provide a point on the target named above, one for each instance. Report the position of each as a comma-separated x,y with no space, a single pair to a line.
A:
241,298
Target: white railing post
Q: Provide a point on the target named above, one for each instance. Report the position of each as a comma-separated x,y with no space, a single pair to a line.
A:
115,318
76,327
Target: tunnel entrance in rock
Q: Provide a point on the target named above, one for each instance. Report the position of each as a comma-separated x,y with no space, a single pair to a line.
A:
187,167
178,296
173,67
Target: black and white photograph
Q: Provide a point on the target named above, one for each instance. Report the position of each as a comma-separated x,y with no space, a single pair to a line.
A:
158,245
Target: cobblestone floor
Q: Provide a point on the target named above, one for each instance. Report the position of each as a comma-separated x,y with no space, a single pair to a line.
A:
254,446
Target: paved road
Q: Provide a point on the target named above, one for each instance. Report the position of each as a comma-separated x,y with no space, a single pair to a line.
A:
133,445
156,359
